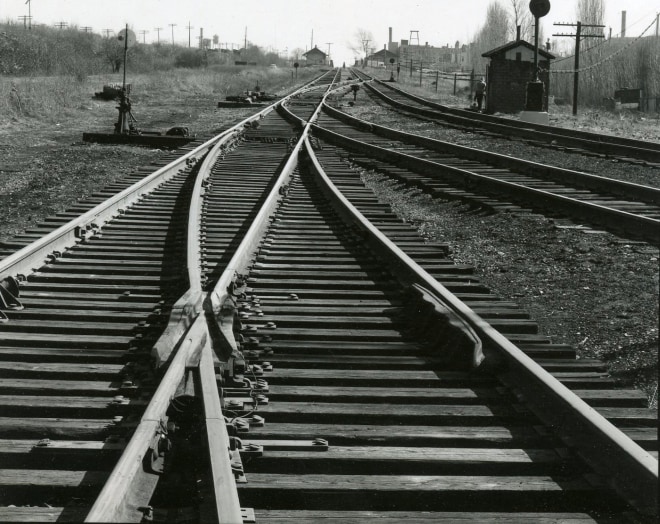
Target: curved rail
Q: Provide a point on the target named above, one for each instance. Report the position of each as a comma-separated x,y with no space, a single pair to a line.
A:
200,341
632,470
604,144
645,227
551,400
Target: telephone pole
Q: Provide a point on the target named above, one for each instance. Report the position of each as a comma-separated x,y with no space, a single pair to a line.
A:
172,26
365,43
107,32
61,25
86,29
189,28
158,30
25,19
143,33
578,36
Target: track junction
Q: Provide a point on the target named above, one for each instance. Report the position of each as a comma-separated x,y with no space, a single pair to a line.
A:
248,334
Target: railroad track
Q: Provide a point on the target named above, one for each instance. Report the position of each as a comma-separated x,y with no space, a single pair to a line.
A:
496,181
295,363
563,139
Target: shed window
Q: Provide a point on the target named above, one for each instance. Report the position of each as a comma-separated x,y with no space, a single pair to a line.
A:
518,57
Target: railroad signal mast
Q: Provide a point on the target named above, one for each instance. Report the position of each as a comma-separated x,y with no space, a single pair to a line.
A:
578,36
29,17
535,88
126,120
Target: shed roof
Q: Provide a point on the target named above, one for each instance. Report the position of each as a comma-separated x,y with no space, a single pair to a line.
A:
315,51
512,45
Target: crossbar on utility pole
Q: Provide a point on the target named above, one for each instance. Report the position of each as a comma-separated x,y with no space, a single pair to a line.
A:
578,36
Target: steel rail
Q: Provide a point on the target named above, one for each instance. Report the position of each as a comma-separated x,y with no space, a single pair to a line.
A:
37,253
221,293
569,176
600,143
646,228
631,470
122,499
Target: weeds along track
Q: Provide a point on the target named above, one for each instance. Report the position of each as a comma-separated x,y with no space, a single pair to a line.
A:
563,139
252,336
493,180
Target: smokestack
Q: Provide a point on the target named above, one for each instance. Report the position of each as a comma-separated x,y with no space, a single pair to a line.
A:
517,33
623,24
390,38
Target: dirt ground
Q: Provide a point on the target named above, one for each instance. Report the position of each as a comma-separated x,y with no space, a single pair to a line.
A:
595,291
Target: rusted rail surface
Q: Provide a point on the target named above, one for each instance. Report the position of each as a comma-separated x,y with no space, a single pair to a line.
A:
569,140
321,362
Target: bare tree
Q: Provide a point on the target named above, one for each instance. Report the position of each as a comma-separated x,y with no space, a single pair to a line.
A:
492,34
362,41
522,16
297,53
591,11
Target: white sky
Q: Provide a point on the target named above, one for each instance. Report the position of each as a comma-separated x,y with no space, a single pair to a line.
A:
287,24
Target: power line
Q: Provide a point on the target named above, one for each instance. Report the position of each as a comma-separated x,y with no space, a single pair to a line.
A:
609,57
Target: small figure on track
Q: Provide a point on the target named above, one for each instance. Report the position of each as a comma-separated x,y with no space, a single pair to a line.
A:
355,88
480,91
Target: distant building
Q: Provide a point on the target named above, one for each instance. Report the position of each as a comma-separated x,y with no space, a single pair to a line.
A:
443,58
382,57
315,57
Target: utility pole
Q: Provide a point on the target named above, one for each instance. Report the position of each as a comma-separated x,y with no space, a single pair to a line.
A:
158,30
107,32
578,36
143,33
189,28
61,25
172,26
329,44
245,39
25,19
365,43
29,4
86,29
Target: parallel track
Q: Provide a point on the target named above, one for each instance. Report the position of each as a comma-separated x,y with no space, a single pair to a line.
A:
497,181
568,140
382,393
